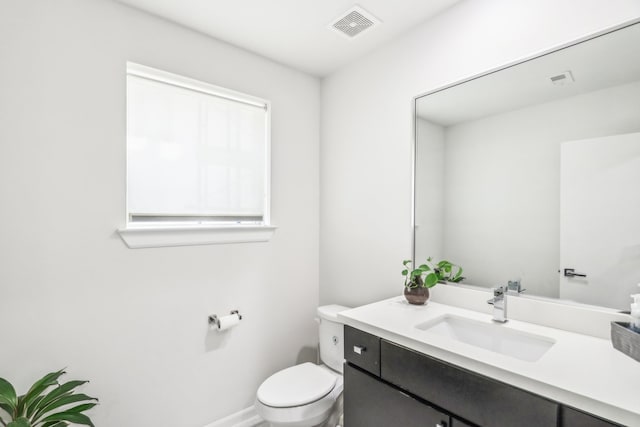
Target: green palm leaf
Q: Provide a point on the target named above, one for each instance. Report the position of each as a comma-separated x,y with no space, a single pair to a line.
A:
59,391
8,399
63,401
82,408
62,391
46,404
71,417
38,388
19,422
30,410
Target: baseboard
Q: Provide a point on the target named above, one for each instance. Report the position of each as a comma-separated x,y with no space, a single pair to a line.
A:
244,418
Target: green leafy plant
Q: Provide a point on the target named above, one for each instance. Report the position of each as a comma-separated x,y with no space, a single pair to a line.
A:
429,274
47,403
422,276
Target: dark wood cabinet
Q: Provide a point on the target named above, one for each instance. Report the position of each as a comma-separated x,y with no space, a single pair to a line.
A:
362,350
473,397
386,385
369,402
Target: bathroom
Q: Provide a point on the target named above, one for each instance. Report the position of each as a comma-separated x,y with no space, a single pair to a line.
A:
133,322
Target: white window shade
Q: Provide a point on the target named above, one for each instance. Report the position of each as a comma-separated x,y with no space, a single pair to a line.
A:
196,154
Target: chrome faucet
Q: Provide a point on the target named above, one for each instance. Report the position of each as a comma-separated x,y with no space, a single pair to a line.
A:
499,302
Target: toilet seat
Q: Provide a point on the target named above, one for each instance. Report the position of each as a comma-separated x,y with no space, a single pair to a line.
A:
309,414
296,386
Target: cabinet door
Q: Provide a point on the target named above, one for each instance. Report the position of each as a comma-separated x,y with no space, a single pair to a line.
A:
368,402
473,397
574,418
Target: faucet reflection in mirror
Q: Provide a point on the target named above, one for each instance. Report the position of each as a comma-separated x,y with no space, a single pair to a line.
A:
516,176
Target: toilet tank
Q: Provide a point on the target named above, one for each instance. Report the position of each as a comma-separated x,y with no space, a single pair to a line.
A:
331,336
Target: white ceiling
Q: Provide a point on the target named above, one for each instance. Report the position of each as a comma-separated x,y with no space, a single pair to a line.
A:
295,32
606,61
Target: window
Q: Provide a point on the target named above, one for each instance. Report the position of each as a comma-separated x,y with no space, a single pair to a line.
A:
197,155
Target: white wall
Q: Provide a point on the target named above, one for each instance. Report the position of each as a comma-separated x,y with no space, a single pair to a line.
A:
134,322
366,125
485,207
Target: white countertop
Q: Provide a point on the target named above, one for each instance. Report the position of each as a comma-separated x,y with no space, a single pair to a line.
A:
581,371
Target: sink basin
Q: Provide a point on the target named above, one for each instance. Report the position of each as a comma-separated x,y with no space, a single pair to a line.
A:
490,336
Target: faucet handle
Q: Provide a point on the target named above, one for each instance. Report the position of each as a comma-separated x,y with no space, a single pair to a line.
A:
514,287
498,294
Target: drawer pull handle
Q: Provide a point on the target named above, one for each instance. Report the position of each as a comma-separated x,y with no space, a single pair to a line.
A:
359,350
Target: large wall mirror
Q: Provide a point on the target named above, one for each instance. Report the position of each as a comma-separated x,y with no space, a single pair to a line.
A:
534,169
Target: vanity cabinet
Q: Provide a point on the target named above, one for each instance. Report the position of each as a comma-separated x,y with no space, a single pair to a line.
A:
387,384
471,396
370,402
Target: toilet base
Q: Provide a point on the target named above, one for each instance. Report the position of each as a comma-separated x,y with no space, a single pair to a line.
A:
334,420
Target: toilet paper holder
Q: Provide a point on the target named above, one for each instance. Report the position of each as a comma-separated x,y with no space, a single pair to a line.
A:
215,321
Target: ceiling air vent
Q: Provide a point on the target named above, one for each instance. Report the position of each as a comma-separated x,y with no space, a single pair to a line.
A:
353,22
563,79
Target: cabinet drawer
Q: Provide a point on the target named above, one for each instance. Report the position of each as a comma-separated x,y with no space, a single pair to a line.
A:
362,349
473,397
575,418
368,402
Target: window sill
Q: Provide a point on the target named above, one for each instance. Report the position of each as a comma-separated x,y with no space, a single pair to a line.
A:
159,237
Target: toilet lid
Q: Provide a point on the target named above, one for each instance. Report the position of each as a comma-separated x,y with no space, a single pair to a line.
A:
296,386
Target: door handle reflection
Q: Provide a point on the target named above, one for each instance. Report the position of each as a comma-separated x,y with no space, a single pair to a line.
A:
570,272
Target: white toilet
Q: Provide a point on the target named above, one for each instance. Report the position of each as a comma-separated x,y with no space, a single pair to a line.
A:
303,395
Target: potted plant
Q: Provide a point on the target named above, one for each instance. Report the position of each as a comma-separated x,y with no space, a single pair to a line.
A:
47,404
418,281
